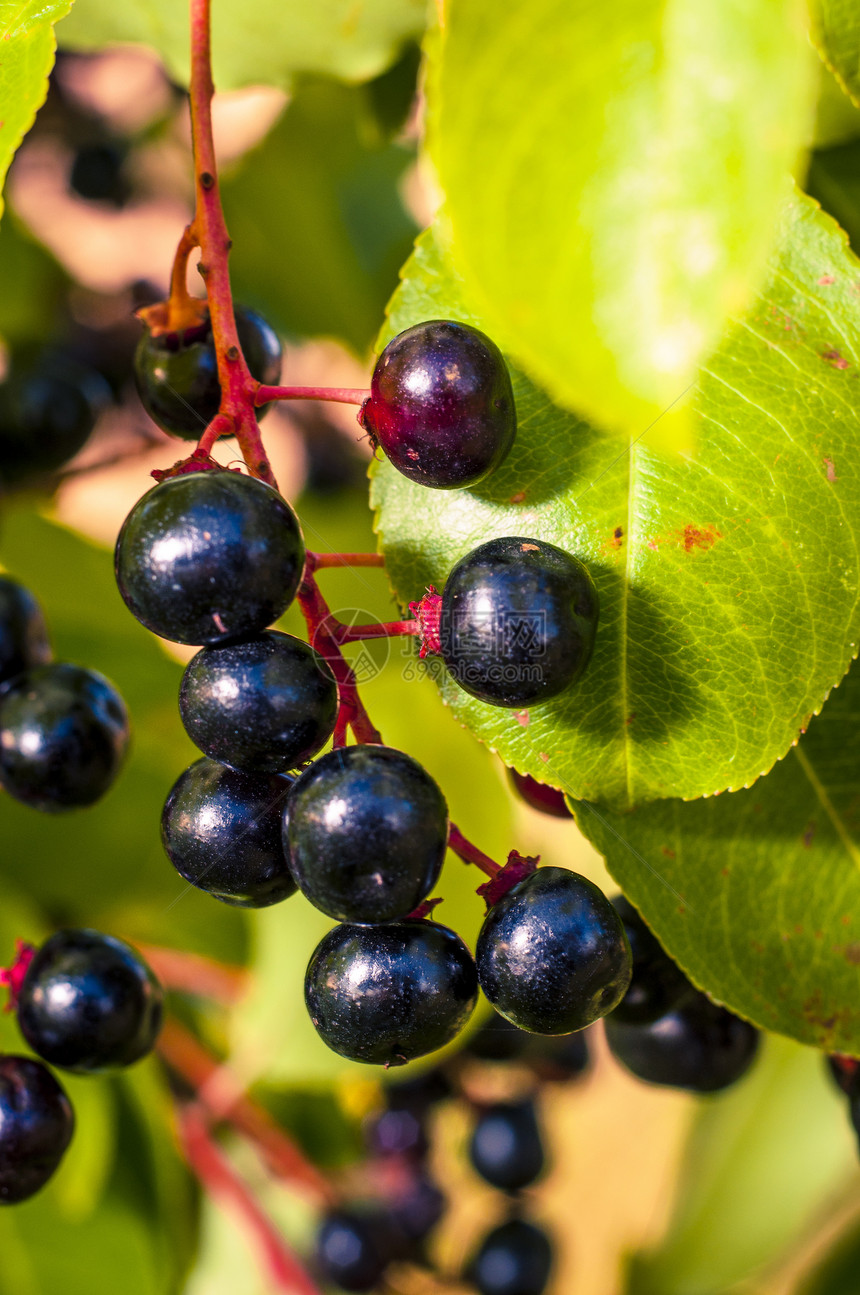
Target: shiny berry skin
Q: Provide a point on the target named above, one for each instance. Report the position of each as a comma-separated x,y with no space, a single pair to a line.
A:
517,622
365,830
552,955
47,412
441,405
209,557
697,1046
177,377
263,705
354,1249
63,735
23,634
387,994
221,831
657,983
89,1002
36,1127
538,795
513,1259
506,1147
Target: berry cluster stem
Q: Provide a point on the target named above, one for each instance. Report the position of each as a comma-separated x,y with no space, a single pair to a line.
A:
338,395
469,853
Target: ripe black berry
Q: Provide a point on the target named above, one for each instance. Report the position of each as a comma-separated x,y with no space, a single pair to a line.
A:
47,411
263,705
354,1249
657,982
387,994
398,1131
552,955
36,1126
23,634
441,405
177,377
418,1209
540,796
89,1002
698,1046
506,1147
365,830
222,832
517,623
63,735
209,557
513,1259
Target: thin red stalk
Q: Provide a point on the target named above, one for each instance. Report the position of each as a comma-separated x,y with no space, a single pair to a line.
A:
338,395
224,1184
470,853
210,230
318,561
222,1095
381,630
317,614
190,973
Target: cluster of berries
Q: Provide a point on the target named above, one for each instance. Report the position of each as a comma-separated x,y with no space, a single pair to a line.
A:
63,728
87,1003
49,404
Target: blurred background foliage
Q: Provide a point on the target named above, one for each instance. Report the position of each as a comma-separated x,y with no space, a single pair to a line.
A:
652,1193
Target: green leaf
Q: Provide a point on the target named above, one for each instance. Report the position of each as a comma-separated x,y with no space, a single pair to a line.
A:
757,894
260,44
317,220
838,40
609,203
728,578
27,33
762,1164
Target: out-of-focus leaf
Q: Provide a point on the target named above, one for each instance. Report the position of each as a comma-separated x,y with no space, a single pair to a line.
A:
27,33
728,579
762,1163
105,866
837,117
837,1274
612,187
316,217
260,44
838,40
834,180
32,283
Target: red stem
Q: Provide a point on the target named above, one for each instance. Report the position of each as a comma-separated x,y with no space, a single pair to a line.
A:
469,853
192,974
381,630
339,395
318,561
221,1180
209,229
318,617
222,1095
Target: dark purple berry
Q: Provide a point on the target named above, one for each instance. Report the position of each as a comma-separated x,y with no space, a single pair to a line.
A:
222,832
36,1127
657,982
441,405
518,620
209,557
418,1209
398,1131
89,1002
506,1147
23,634
177,376
513,1259
264,705
387,994
697,1046
540,796
552,955
63,735
354,1249
47,411
365,830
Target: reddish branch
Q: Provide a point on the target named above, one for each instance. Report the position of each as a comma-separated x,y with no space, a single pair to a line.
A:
338,395
224,1184
470,853
318,561
192,974
221,1094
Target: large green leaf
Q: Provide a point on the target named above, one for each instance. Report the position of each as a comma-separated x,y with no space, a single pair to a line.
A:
612,187
27,33
838,40
728,578
757,893
762,1165
259,44
316,218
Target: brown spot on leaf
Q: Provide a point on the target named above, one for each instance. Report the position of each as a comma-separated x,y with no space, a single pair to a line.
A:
808,835
835,358
831,471
518,498
696,538
670,854
826,280
523,718
852,954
